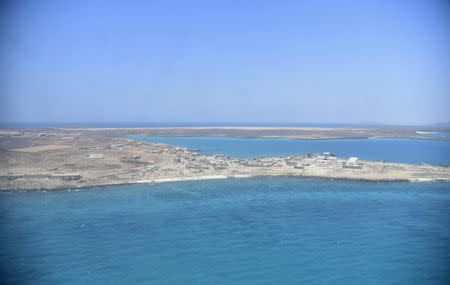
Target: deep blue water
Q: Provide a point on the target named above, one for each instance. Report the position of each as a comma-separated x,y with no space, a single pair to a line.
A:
395,150
248,231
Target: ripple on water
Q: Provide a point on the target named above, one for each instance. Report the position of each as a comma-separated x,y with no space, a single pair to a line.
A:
235,231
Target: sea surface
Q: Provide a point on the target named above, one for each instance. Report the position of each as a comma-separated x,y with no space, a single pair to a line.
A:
393,150
235,231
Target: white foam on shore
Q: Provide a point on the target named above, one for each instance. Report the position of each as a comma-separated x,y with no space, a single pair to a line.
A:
192,178
421,179
175,179
428,179
217,177
241,176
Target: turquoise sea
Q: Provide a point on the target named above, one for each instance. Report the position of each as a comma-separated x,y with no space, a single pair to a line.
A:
394,150
236,231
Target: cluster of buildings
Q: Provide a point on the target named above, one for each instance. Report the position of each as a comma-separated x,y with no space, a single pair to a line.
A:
197,163
325,160
184,160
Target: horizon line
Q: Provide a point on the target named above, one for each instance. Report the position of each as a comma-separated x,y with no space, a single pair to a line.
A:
104,124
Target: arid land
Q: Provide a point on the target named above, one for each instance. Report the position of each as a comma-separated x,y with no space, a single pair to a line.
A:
59,158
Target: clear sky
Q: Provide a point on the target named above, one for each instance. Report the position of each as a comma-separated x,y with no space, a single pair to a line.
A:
226,61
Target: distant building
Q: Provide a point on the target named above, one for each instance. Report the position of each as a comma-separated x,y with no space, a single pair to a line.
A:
352,162
95,155
299,166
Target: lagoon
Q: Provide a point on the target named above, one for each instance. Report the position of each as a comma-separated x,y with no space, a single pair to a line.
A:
393,150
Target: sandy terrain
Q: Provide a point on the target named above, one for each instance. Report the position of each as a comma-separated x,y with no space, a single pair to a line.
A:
250,131
41,148
70,158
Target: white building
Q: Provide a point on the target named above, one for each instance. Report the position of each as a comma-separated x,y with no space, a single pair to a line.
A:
95,155
352,162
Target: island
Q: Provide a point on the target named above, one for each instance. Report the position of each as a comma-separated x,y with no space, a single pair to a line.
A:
67,158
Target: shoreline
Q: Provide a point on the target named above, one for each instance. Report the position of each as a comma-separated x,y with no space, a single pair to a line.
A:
224,177
44,159
307,133
244,176
430,138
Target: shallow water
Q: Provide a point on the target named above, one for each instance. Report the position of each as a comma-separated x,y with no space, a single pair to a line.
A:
395,150
236,231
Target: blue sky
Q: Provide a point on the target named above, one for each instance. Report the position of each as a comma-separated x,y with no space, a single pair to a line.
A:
226,61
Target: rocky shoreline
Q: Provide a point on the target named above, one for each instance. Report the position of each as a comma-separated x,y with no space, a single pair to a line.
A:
68,159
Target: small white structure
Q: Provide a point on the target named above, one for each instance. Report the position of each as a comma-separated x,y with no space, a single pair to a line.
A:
95,155
299,166
326,159
352,162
